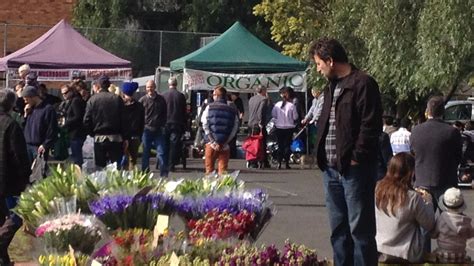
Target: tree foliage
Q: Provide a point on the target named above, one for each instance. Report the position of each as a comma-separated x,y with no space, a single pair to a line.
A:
413,48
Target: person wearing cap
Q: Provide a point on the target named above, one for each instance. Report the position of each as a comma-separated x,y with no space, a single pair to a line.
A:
453,228
74,110
41,125
14,171
175,121
104,120
154,132
135,116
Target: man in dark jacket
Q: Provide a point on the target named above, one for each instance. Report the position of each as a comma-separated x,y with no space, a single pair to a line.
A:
220,122
154,133
104,120
135,116
74,109
41,128
260,113
175,122
438,150
347,146
14,170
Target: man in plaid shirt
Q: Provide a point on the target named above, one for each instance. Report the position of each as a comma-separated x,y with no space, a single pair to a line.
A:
347,147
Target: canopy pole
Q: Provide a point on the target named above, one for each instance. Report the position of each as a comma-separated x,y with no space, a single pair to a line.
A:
307,128
161,46
6,78
5,34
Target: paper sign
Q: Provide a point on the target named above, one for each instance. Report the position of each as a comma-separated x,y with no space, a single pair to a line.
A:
174,260
162,222
95,263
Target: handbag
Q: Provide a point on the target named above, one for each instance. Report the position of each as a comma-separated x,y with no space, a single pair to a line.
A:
38,168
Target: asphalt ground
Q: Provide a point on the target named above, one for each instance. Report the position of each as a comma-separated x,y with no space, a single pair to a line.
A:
298,198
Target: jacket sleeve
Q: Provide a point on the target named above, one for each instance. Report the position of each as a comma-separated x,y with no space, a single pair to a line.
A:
141,119
424,213
51,121
205,124
88,120
17,159
369,108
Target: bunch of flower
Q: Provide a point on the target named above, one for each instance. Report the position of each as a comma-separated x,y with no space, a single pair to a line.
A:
113,181
292,254
221,225
79,231
195,208
127,211
63,260
135,247
38,201
206,186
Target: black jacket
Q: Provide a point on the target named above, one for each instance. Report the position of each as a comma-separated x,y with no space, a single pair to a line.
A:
358,121
41,126
438,150
14,163
176,107
104,114
155,112
135,115
74,116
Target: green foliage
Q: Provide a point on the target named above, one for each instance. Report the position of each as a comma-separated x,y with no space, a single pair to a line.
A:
413,48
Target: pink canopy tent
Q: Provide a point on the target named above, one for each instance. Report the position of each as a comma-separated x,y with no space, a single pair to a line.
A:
62,51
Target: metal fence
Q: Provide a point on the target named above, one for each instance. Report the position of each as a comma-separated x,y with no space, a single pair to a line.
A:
146,49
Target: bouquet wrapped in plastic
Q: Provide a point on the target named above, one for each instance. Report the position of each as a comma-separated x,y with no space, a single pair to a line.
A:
77,231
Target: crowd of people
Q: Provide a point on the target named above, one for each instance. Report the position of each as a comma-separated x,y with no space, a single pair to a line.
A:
388,188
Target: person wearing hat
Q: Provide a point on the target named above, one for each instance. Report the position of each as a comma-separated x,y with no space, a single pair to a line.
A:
104,120
41,126
453,228
74,109
135,116
175,121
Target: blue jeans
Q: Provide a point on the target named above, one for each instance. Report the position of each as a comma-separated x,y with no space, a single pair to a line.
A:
350,203
76,150
155,139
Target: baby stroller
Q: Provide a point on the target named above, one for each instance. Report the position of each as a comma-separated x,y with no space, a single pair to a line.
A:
297,147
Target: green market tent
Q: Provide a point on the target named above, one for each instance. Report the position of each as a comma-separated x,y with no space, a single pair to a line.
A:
239,51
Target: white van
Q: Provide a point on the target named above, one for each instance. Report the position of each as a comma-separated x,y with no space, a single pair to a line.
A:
459,111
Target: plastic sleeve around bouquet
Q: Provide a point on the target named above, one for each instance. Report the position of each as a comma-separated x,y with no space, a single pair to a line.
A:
80,232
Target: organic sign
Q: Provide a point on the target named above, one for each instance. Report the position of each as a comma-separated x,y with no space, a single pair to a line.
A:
203,80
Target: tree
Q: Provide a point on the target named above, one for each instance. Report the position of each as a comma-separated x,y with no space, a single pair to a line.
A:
413,48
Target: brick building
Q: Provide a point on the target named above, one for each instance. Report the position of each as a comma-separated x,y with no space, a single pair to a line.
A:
16,15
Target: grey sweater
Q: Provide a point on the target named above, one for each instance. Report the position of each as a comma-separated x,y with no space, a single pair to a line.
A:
400,235
452,231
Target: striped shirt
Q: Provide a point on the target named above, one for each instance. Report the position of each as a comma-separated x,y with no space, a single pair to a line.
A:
330,146
400,140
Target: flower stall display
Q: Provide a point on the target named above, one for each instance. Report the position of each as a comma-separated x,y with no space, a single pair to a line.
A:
221,218
77,231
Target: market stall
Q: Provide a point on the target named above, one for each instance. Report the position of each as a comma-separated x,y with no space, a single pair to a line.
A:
240,62
62,52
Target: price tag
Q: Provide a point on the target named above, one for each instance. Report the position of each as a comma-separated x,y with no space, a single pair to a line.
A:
162,222
174,260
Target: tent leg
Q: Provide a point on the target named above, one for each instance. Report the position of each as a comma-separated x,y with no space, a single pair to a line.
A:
307,128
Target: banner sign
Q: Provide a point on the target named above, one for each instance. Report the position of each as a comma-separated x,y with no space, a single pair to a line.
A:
203,80
115,74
